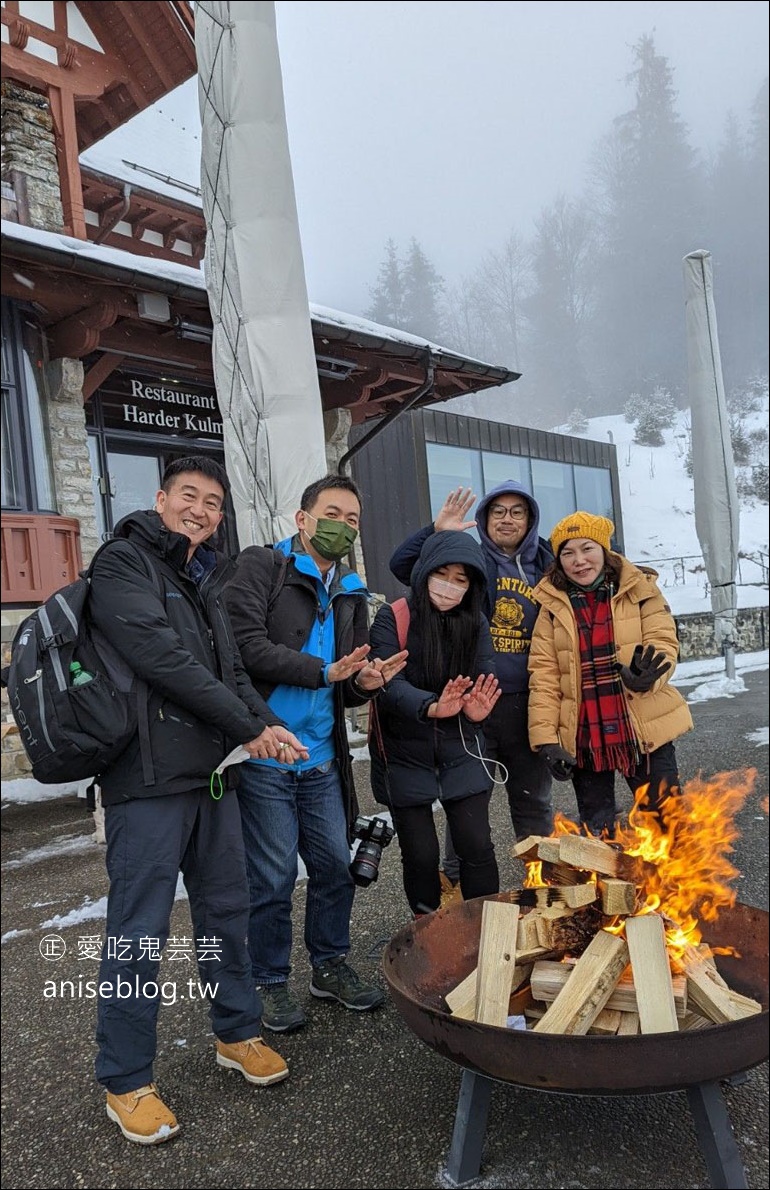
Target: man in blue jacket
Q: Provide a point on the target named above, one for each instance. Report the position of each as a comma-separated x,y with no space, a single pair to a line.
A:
300,619
507,521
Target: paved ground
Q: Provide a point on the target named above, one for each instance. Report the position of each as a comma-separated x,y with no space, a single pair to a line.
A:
367,1104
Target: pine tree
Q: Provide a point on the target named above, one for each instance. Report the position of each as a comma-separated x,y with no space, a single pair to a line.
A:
388,294
646,183
422,289
557,310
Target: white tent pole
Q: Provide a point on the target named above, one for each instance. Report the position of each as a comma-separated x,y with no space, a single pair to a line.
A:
716,498
264,358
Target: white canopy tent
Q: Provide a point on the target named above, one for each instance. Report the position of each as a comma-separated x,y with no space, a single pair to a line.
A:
264,361
716,499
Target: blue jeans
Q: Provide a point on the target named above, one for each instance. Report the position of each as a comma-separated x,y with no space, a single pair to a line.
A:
284,813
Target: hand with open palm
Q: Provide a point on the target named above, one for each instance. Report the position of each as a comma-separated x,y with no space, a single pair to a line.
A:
480,700
451,699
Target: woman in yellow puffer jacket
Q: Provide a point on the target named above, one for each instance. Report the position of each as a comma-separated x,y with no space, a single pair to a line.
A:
603,653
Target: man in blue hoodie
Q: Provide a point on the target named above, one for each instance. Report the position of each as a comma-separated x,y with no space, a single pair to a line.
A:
507,520
299,618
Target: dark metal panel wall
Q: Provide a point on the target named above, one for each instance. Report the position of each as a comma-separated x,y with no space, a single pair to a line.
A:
393,475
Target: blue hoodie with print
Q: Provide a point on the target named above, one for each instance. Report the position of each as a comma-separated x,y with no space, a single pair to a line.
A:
511,606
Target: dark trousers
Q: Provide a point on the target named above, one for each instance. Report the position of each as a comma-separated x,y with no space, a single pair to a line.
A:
595,792
528,786
468,822
149,840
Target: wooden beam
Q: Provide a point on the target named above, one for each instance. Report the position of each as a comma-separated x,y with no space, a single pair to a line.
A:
549,977
618,897
497,960
65,125
595,856
461,1001
646,937
98,373
78,335
138,28
589,988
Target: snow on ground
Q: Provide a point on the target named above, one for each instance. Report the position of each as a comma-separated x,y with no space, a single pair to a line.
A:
657,505
24,789
64,845
761,737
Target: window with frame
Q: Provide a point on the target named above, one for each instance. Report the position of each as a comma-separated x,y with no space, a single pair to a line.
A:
27,480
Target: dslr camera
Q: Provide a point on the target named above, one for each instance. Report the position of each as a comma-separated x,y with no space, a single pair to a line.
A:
375,834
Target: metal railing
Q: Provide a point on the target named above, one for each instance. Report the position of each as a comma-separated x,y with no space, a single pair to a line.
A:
753,570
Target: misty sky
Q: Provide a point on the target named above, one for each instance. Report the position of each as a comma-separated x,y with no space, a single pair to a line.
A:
457,122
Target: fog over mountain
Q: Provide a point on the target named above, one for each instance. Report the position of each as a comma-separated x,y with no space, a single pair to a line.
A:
521,180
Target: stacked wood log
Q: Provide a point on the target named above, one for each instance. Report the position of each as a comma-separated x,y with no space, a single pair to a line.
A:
577,957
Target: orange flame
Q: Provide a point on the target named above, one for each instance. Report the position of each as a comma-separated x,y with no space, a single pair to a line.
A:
692,874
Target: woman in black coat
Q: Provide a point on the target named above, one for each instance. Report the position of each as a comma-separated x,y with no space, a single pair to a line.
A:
426,742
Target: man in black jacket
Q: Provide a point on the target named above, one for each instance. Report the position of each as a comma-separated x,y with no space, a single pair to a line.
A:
299,617
155,596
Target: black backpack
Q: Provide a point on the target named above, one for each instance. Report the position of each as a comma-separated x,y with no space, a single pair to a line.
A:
71,732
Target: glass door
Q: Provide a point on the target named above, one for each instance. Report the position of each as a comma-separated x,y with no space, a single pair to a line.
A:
133,482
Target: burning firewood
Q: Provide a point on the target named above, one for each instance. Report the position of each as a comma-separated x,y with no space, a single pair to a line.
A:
549,977
618,897
596,905
588,989
646,937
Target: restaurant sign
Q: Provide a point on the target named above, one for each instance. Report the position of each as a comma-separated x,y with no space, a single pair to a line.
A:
157,406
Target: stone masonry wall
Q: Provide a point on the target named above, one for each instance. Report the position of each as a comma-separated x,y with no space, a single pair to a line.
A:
29,148
69,450
696,633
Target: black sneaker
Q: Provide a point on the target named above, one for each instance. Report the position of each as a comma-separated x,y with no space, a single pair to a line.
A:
280,1011
336,980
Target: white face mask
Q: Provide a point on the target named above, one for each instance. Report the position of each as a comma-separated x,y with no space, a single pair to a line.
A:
444,595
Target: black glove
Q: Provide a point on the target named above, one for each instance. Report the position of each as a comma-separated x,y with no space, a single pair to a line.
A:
645,669
558,760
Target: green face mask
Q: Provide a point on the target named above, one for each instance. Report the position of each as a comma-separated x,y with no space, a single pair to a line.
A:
333,540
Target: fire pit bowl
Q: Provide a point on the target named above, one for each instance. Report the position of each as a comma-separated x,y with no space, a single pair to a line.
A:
433,954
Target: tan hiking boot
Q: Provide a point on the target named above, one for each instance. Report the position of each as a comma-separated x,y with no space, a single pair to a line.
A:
450,893
142,1116
255,1060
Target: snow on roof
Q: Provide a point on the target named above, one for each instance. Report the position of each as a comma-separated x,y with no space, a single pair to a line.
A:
183,274
156,151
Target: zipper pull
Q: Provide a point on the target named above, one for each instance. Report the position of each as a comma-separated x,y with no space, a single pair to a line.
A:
161,716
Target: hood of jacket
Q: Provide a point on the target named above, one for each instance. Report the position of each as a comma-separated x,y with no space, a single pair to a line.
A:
147,530
444,548
531,543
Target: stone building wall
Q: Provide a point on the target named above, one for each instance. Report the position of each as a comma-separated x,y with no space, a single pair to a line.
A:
70,458
29,161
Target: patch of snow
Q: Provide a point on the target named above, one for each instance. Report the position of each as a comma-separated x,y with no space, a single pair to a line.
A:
690,673
92,910
13,934
758,737
63,845
26,789
719,688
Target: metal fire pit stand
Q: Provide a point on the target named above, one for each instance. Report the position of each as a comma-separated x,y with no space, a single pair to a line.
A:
707,1105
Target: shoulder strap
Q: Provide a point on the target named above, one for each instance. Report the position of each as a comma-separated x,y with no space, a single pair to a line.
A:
144,557
401,613
280,566
139,687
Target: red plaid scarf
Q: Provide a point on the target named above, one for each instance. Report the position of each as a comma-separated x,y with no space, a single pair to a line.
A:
605,737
